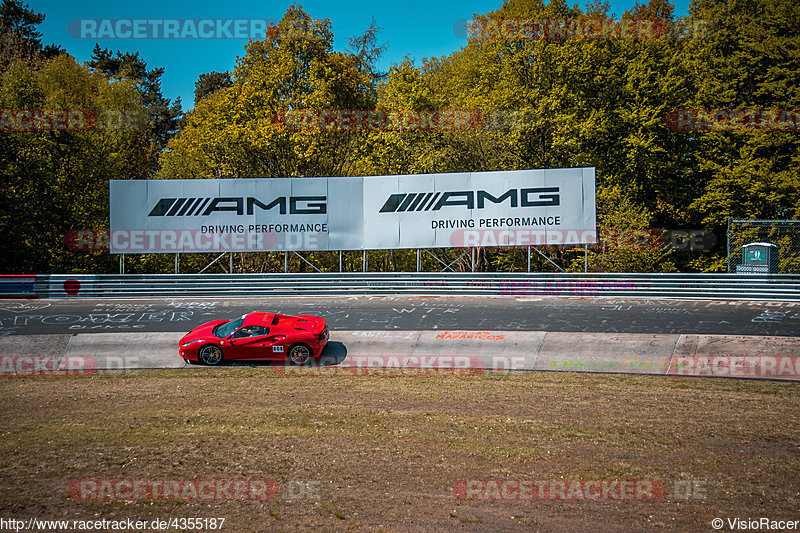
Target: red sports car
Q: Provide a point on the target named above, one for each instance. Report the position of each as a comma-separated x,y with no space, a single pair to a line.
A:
256,337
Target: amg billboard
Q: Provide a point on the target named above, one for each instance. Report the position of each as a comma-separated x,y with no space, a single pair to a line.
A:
469,209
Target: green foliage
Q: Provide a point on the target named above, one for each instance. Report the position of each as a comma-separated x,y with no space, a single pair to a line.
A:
603,103
562,103
234,132
19,38
161,118
18,17
209,83
751,60
617,216
57,181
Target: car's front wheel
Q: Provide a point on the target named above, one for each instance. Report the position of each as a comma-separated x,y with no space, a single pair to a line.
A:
300,354
210,355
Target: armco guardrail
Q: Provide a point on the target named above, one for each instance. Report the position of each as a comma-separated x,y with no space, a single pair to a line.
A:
13,286
704,286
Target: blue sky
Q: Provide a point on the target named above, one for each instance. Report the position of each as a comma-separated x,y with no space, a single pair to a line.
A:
414,28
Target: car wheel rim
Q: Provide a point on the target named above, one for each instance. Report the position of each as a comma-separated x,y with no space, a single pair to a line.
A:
210,355
300,355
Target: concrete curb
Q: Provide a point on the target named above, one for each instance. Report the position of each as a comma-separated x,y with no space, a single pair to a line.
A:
630,353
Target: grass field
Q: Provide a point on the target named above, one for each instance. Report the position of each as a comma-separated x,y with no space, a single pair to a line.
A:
385,453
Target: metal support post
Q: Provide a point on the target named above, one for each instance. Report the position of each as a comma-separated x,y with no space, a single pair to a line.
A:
729,244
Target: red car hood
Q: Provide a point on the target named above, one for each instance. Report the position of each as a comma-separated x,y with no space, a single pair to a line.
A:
202,332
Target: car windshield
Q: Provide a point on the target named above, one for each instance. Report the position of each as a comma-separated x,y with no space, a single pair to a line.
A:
223,330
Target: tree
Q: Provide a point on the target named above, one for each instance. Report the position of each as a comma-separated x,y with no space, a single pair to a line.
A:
20,41
366,50
20,18
241,130
160,117
548,103
57,181
209,83
749,60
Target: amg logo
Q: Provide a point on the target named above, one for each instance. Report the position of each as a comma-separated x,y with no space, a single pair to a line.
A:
430,201
187,207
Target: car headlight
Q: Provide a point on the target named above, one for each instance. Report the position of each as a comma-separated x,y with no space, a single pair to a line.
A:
191,342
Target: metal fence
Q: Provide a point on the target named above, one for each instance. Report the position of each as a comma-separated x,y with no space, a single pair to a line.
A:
784,233
695,286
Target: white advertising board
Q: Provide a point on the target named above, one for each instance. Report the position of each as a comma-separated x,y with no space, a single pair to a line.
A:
468,209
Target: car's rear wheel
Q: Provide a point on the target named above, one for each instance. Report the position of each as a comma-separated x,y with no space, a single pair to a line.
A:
210,355
300,354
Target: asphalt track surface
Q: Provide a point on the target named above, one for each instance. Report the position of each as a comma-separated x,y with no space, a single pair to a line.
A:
421,313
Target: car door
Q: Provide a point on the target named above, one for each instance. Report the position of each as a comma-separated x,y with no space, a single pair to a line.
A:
259,344
272,347
242,343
